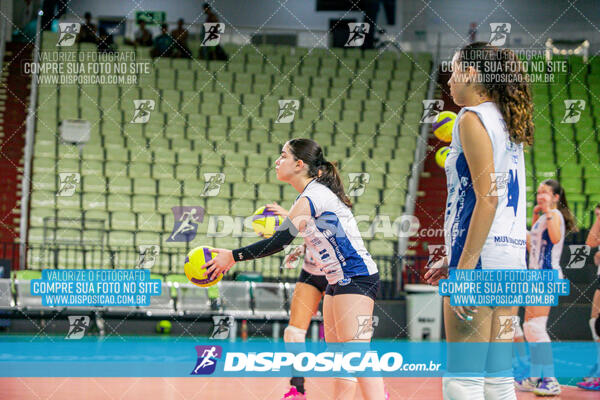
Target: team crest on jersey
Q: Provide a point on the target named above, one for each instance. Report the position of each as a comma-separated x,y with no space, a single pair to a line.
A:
344,281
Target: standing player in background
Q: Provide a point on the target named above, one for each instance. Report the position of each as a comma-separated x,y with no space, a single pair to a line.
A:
487,142
322,215
551,221
593,240
308,293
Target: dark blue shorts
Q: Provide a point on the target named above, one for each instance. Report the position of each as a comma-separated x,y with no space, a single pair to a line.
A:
367,285
318,281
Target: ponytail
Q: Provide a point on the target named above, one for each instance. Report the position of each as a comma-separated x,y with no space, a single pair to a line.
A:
330,177
563,205
324,172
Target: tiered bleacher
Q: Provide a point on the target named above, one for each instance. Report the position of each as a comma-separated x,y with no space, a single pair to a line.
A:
568,151
361,106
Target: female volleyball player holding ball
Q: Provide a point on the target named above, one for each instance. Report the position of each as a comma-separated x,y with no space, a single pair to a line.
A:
551,221
593,240
322,215
487,144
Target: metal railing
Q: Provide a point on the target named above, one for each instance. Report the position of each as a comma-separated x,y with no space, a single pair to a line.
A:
55,255
420,153
29,140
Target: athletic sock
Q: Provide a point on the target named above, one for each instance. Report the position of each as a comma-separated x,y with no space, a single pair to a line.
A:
298,382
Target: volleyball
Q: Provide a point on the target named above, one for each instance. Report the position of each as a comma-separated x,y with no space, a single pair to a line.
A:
265,222
442,128
440,156
194,261
163,327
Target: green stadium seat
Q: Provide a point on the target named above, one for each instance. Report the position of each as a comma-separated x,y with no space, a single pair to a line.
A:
592,185
245,190
149,222
233,174
269,192
117,202
184,172
242,207
217,206
143,203
160,171
120,239
123,220
120,184
144,186
139,169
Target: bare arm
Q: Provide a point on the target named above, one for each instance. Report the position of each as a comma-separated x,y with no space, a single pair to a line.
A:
480,159
553,225
593,238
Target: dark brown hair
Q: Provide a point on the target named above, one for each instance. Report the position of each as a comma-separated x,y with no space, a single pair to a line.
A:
311,153
503,78
563,205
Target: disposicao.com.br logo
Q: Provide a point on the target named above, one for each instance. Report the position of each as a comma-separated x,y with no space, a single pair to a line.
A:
323,361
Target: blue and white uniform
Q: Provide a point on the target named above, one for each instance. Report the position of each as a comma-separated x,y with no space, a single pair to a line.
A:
311,263
332,235
543,254
505,246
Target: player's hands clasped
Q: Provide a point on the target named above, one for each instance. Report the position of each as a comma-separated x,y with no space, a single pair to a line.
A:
544,202
220,264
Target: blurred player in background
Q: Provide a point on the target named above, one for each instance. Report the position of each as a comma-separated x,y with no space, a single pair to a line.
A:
593,240
551,221
487,144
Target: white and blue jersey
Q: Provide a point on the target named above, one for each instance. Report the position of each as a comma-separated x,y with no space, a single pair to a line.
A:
505,246
311,263
332,233
543,254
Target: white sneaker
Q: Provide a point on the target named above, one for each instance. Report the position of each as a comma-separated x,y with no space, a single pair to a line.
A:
547,387
526,385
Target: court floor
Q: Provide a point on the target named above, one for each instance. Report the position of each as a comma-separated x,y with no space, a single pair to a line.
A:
218,389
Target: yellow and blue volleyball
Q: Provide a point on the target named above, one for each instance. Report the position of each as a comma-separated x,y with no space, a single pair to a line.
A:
194,271
442,128
441,154
163,327
265,222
